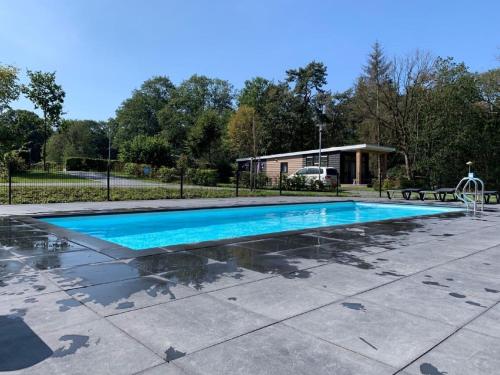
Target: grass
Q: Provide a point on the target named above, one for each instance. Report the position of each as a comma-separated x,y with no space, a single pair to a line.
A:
62,194
40,177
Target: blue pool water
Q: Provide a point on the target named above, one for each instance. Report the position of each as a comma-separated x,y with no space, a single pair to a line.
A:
140,231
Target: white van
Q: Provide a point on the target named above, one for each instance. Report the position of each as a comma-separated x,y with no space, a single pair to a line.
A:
328,176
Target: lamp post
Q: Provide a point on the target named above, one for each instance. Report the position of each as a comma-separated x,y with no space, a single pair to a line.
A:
320,130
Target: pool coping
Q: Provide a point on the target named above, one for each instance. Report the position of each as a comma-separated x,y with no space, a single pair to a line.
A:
119,252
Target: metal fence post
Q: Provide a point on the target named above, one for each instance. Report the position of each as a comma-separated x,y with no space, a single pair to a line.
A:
338,183
237,183
182,183
281,182
107,182
9,173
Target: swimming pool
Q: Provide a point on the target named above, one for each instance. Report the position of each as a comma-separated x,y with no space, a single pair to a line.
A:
139,231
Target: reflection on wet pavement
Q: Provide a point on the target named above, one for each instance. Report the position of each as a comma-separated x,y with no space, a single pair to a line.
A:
37,245
93,274
64,260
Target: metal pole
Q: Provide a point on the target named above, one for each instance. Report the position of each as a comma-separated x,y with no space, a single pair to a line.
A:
319,162
107,182
379,178
237,183
182,183
109,163
281,181
9,172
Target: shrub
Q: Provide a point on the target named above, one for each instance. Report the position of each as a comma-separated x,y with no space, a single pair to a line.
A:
166,174
145,149
261,180
137,170
15,161
204,177
294,183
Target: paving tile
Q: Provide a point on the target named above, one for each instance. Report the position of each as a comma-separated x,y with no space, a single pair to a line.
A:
279,350
14,233
346,279
81,276
270,245
488,323
452,280
161,263
465,353
325,254
11,267
277,298
485,263
121,296
6,254
47,312
386,335
354,247
165,369
187,325
213,275
32,246
65,260
411,259
25,285
95,347
275,263
427,301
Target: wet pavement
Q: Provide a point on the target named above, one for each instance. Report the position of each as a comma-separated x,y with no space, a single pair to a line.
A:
413,296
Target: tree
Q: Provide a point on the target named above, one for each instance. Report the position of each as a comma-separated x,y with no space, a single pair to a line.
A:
139,114
307,86
400,105
145,149
205,136
9,87
245,132
255,94
23,131
48,96
375,78
78,138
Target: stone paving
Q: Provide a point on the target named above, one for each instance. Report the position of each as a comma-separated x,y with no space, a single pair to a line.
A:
413,296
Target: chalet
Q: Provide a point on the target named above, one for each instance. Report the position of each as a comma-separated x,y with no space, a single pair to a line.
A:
351,162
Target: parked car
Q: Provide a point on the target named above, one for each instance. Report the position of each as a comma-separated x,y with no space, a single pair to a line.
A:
328,176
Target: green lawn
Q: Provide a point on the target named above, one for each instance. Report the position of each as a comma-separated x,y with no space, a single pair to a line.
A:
39,177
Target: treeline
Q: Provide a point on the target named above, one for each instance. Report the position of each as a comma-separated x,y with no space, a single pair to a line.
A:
435,111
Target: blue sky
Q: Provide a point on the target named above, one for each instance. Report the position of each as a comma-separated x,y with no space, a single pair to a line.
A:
103,49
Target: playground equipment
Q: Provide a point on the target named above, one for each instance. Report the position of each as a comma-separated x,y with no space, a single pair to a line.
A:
470,190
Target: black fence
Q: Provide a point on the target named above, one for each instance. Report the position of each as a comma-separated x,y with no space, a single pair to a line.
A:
54,184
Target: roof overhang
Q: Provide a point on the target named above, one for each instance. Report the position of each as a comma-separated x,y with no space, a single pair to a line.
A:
351,148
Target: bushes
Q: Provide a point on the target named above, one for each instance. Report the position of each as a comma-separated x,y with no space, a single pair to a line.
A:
86,164
137,170
144,149
204,177
261,180
294,182
166,174
14,160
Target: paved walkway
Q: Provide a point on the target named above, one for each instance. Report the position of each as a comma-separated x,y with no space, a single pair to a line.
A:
415,296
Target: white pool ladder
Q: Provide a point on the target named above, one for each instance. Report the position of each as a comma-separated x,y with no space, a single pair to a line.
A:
470,190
